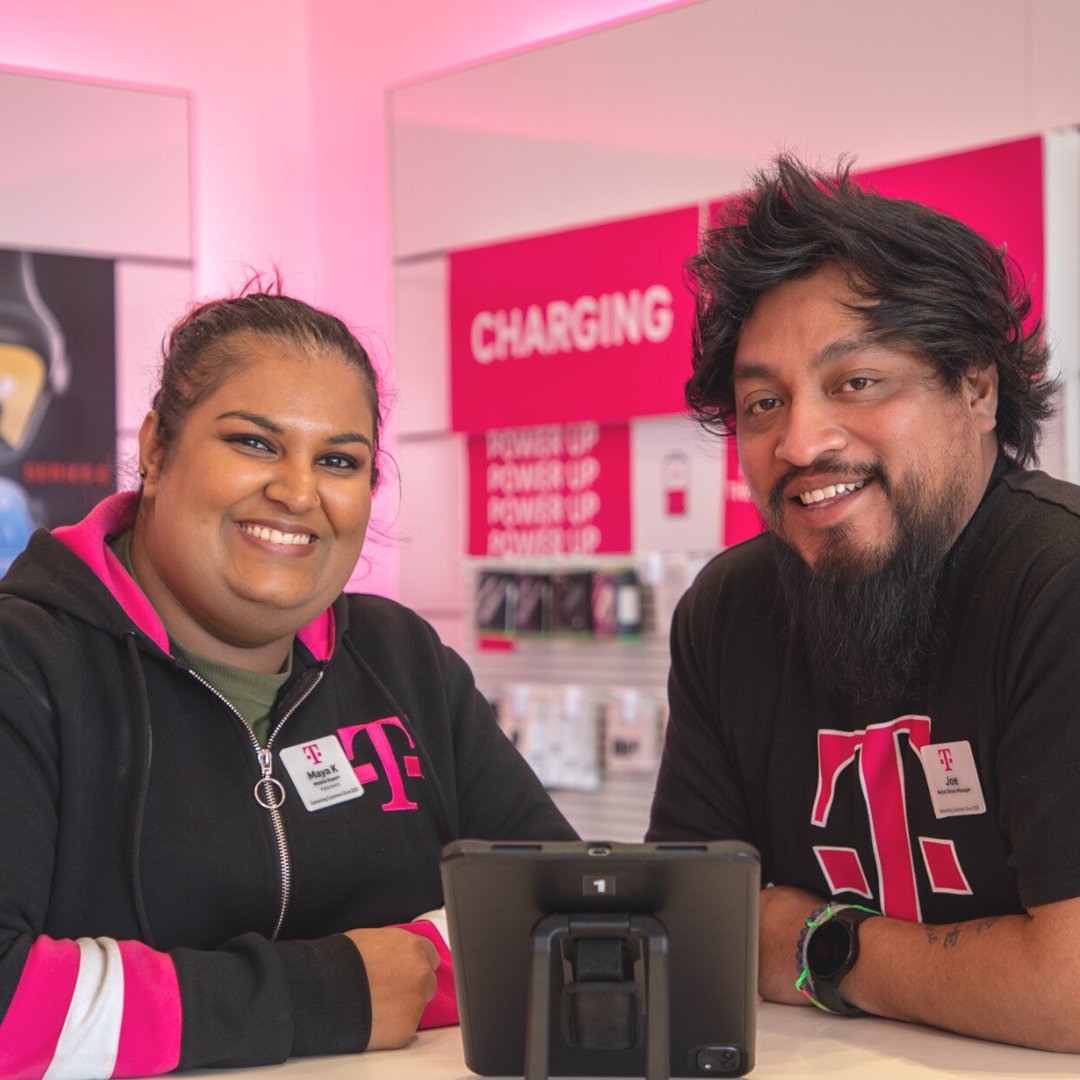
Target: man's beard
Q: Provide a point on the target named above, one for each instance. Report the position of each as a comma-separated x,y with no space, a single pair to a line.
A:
866,616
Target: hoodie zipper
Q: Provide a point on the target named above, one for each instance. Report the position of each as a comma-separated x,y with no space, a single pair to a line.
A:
269,792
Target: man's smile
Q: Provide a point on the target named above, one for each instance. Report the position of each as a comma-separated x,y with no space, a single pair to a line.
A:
828,492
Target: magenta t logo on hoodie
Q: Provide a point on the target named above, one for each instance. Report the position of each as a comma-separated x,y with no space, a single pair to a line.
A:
377,740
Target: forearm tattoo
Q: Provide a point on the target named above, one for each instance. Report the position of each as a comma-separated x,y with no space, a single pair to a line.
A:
949,936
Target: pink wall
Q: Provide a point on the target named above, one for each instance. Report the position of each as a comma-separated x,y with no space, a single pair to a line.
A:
248,82
289,122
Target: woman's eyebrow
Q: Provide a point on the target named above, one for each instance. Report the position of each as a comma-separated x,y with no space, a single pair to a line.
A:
270,425
254,418
349,437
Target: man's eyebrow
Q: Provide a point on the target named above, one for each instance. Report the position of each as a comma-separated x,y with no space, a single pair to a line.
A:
269,425
835,350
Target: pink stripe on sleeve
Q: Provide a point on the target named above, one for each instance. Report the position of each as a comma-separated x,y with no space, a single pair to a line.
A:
151,1025
31,1029
441,1010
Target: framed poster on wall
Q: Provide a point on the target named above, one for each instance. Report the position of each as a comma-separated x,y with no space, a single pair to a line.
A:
57,390
95,260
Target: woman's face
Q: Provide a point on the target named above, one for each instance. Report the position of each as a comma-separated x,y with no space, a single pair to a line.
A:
253,521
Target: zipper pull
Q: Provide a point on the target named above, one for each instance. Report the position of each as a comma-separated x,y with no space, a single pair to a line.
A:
269,791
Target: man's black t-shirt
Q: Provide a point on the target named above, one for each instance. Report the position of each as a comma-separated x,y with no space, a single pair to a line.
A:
959,803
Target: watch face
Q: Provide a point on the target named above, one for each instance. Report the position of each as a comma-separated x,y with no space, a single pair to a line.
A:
828,949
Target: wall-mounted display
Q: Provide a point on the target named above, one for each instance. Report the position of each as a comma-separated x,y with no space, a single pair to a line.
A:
95,261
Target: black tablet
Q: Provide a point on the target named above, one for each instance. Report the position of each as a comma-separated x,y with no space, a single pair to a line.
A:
591,959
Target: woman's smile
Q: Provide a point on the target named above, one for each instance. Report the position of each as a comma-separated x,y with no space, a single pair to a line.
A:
277,536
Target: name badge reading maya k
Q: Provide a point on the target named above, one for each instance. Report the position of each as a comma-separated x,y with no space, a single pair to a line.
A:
321,772
953,779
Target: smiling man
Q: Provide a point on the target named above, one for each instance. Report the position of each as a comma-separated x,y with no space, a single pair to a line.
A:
880,691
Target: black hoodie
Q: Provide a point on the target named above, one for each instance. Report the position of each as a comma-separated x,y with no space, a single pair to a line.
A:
153,915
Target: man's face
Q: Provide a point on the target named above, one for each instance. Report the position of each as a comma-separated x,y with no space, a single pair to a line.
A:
830,426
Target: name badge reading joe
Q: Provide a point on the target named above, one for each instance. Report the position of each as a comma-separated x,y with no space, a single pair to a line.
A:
321,772
953,780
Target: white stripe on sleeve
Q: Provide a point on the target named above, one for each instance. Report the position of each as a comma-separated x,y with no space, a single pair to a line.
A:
437,918
90,1036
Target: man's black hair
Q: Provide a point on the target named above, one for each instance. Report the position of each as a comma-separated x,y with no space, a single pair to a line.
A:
926,282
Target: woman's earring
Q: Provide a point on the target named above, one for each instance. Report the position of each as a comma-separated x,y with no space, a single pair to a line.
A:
142,474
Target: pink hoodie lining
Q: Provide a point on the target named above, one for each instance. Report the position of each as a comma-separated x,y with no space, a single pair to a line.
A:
113,515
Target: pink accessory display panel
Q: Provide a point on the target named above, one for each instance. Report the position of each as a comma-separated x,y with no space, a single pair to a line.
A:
563,489
587,324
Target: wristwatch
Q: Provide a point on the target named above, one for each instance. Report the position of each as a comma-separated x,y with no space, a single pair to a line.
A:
828,952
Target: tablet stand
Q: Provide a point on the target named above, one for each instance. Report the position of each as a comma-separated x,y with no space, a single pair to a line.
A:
605,995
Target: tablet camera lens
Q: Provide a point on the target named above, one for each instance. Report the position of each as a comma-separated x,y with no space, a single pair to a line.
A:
718,1061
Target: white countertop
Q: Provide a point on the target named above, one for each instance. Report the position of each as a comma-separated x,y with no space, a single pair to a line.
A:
793,1043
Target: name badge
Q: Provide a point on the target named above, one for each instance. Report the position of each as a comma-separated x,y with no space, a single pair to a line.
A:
321,772
953,780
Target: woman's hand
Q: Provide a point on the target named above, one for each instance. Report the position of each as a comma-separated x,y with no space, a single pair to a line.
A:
401,976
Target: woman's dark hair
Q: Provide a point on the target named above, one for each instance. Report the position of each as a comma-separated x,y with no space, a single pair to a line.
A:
198,357
927,282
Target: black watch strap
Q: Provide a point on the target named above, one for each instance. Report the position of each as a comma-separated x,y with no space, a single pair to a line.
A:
828,949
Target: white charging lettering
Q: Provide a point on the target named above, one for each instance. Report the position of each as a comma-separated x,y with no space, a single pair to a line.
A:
587,323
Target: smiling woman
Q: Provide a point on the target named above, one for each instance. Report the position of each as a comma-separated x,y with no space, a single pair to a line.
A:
224,785
254,512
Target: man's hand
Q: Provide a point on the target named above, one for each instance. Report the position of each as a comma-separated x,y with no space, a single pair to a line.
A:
401,975
783,911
